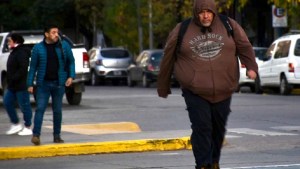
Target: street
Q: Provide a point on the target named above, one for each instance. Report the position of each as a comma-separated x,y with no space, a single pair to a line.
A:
263,130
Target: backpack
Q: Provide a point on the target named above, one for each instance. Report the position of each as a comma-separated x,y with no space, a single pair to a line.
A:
184,25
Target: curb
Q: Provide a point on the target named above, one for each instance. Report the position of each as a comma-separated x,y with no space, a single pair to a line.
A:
51,150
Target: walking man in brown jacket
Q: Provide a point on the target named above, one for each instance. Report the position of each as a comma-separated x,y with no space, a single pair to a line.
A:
208,73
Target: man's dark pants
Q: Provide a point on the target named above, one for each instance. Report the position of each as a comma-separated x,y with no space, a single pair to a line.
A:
208,127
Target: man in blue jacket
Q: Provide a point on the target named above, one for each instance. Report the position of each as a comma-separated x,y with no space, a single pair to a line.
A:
52,65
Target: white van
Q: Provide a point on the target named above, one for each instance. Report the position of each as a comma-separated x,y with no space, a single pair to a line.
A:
281,66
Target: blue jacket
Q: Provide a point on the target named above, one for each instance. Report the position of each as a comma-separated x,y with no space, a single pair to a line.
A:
38,64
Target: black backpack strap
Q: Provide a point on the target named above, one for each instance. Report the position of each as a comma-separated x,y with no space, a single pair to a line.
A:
226,23
183,27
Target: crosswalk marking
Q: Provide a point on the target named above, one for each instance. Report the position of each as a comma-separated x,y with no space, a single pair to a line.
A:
255,132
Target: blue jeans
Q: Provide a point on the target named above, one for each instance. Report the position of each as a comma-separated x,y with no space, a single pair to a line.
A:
43,93
208,127
23,99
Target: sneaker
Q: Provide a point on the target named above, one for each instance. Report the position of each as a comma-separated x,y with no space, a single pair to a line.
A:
58,140
36,140
25,132
14,128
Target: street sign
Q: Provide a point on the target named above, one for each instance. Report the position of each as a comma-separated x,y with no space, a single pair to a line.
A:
279,17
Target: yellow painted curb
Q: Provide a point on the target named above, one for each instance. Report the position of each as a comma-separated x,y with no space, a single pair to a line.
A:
101,128
94,148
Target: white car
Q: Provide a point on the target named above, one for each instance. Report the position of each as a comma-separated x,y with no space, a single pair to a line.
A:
281,66
244,80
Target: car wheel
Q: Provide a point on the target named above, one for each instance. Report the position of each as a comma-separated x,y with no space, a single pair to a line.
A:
130,83
94,79
285,88
73,98
257,86
146,82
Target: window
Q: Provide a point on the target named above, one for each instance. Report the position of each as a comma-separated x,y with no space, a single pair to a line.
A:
260,53
156,57
282,50
115,53
297,48
145,58
269,53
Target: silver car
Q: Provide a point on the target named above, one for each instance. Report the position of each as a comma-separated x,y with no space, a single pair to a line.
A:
109,63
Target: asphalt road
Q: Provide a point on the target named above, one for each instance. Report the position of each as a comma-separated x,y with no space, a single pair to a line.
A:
263,130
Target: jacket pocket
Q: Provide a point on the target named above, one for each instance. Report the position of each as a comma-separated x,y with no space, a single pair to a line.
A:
225,82
202,83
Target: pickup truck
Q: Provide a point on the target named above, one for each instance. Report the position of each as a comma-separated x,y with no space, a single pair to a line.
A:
82,68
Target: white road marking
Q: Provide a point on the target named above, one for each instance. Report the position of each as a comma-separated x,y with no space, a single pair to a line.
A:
287,128
169,154
255,132
268,166
232,136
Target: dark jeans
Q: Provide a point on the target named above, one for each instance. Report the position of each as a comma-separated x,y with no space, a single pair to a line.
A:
43,93
208,127
23,100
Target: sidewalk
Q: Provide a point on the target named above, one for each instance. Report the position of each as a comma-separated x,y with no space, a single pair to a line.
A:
18,147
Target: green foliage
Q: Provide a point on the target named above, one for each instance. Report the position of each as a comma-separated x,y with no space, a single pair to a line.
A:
89,13
15,14
121,22
118,19
52,11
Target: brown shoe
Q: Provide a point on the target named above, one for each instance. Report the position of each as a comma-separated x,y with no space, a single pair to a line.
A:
215,166
58,140
36,140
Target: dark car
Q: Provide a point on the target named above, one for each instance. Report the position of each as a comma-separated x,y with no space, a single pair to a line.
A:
145,68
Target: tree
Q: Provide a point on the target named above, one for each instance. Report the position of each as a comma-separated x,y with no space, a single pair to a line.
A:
89,17
15,14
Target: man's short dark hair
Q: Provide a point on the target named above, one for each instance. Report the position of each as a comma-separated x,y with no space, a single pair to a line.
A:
17,38
48,27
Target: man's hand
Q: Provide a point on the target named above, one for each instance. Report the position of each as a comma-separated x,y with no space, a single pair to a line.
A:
30,90
163,93
69,82
251,74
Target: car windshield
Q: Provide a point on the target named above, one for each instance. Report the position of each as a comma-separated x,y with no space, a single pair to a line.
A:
33,39
260,53
156,57
114,53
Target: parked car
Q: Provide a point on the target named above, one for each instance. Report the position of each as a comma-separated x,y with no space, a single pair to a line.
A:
145,68
280,68
109,63
244,80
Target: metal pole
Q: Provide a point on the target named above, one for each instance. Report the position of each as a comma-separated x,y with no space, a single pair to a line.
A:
150,25
140,29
